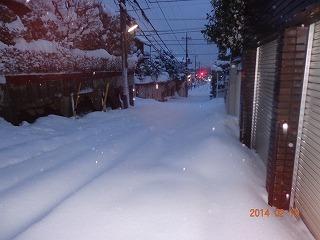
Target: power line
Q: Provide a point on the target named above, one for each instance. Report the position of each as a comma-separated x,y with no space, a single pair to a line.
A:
179,19
148,21
193,39
147,38
170,33
191,44
143,32
179,29
175,1
168,23
203,54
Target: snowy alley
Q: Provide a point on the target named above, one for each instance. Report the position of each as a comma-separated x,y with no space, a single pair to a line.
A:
159,171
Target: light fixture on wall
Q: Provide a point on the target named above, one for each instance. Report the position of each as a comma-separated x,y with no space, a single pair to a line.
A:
285,127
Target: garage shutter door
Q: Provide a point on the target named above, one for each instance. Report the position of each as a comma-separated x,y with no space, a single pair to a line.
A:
306,182
263,99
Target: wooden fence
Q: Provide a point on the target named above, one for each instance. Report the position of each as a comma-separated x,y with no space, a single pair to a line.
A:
25,97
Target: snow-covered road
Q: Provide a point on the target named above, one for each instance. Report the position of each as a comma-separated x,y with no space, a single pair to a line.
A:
159,171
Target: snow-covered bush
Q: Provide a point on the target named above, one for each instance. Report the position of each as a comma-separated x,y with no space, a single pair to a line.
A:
61,35
10,25
169,63
163,63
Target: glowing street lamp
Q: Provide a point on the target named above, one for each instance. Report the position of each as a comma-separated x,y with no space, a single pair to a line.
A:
132,28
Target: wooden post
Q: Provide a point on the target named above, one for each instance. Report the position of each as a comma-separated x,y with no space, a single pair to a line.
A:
74,104
104,101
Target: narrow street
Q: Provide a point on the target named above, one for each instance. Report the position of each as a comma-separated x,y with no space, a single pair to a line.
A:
172,170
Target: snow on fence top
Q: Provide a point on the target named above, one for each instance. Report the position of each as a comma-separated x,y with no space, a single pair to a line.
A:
44,56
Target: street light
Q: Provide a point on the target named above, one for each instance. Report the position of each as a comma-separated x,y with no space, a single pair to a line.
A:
133,28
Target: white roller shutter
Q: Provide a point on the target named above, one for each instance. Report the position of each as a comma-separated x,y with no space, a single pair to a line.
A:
306,180
263,97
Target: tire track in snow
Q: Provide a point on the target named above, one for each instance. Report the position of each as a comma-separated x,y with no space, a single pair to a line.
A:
62,183
10,180
135,151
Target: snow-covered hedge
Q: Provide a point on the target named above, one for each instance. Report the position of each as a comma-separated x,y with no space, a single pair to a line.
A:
61,35
45,56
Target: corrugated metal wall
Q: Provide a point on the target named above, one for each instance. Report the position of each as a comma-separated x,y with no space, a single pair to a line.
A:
264,97
306,183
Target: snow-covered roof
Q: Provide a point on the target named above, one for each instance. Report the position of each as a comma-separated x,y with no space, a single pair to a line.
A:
221,63
163,77
216,68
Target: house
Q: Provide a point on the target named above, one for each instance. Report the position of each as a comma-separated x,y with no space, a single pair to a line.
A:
280,105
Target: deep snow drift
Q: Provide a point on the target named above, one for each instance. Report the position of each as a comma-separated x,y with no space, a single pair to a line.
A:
172,170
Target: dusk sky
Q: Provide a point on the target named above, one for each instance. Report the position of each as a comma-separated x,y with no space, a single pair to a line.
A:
182,16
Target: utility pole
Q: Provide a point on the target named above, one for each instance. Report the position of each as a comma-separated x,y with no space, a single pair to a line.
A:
150,52
124,49
187,54
195,63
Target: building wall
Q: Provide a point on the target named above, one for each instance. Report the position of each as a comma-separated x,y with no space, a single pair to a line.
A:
305,195
287,96
286,110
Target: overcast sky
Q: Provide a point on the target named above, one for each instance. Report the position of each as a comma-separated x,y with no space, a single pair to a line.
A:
182,16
